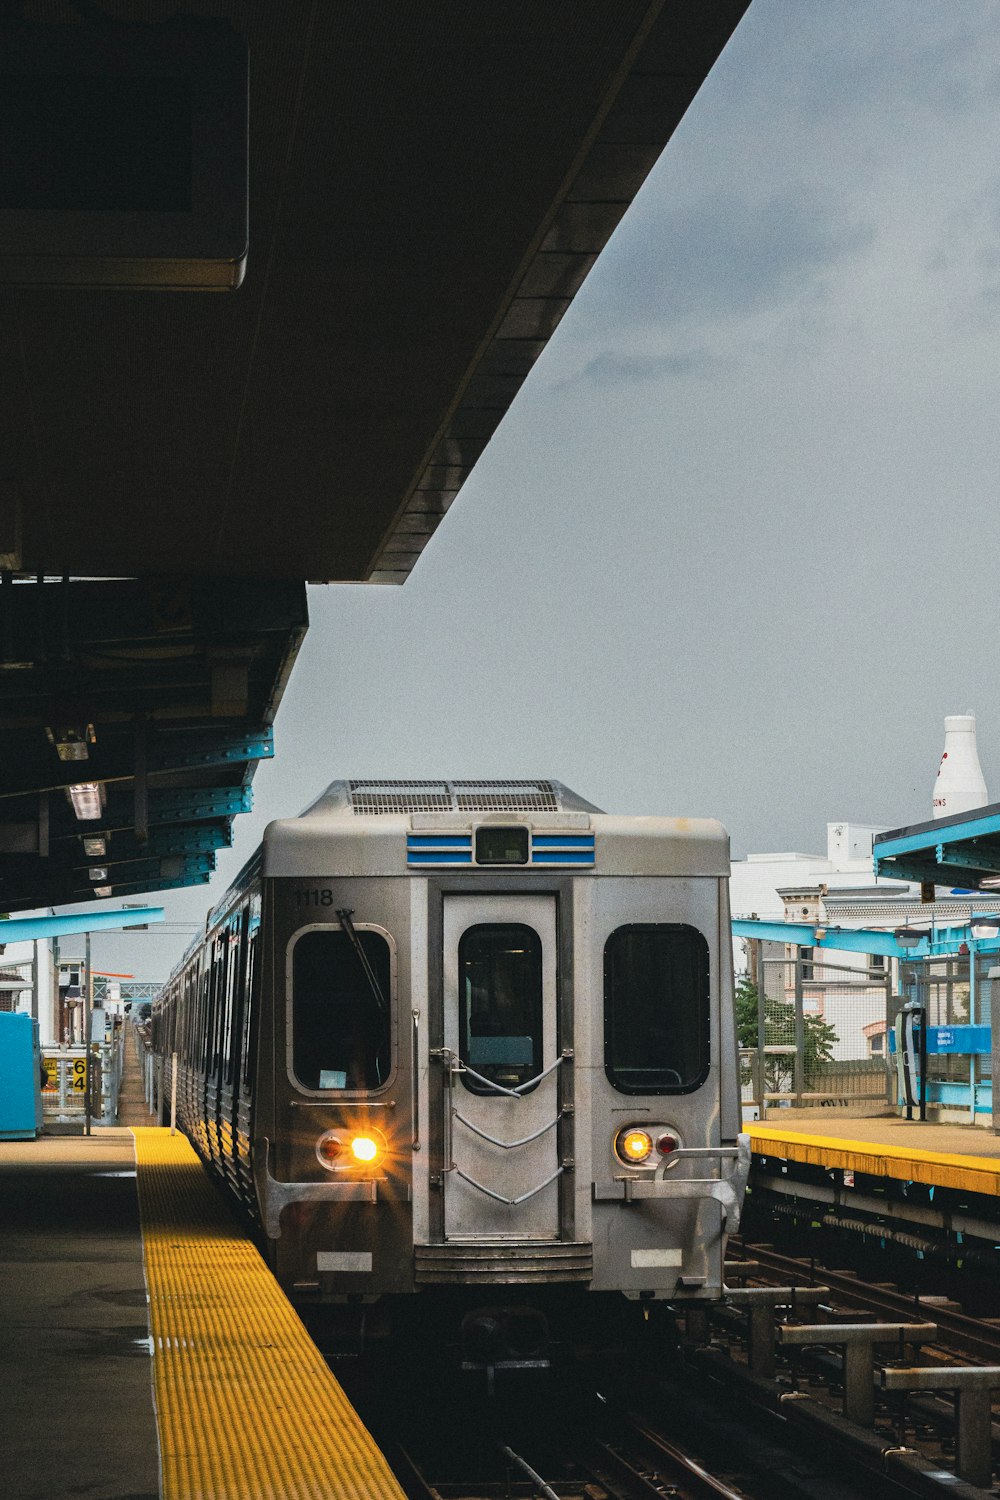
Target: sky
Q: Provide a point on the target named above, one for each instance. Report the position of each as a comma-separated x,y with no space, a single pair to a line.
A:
728,553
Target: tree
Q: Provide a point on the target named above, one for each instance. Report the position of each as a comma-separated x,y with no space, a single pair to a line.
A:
779,1030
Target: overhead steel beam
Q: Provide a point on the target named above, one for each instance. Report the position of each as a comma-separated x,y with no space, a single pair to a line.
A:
176,805
163,754
195,838
28,929
922,871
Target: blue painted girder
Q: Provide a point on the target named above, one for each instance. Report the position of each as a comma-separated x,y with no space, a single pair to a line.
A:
27,929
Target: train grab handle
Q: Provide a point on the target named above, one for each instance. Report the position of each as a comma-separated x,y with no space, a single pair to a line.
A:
415,1078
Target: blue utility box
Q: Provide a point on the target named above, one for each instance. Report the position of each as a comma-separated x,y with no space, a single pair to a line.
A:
20,1077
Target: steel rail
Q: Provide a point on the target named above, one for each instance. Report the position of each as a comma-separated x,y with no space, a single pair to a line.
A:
684,1469
966,1335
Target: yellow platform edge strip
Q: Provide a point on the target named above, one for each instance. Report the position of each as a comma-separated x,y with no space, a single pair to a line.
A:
968,1174
246,1408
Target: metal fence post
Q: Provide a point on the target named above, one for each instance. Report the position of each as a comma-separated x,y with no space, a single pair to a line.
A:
798,1082
973,1017
759,979
88,1000
890,1021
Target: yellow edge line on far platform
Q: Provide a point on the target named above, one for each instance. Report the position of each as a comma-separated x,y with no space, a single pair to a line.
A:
970,1174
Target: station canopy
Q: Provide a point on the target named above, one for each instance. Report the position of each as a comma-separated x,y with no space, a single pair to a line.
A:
960,851
429,187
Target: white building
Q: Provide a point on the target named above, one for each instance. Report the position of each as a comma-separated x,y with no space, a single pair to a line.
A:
839,889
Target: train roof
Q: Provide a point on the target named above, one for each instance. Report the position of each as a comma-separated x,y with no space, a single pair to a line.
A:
371,827
360,828
377,798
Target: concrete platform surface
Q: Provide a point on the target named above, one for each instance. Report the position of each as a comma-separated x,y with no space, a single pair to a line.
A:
76,1390
888,1130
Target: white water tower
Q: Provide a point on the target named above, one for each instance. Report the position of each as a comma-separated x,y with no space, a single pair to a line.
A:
960,784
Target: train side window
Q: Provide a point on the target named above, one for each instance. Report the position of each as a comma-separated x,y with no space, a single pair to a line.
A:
341,1036
230,1014
656,1008
252,1005
500,1010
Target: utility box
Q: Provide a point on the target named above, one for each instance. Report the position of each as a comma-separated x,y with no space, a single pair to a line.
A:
20,1077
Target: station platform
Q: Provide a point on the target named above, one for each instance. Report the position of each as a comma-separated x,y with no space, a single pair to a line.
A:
965,1158
147,1353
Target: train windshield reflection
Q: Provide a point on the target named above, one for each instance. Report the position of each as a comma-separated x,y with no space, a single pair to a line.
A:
500,975
340,1034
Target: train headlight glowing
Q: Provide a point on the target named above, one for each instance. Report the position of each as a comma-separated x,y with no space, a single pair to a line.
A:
633,1146
340,1150
364,1148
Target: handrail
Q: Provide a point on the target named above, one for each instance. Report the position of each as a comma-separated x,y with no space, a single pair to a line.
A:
498,1197
457,1066
508,1145
415,1079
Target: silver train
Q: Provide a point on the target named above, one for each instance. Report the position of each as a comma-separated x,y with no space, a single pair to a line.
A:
471,1044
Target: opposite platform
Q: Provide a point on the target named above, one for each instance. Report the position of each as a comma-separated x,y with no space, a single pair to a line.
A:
963,1157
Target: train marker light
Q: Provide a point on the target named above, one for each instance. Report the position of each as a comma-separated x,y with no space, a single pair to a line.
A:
633,1146
665,1144
329,1150
364,1148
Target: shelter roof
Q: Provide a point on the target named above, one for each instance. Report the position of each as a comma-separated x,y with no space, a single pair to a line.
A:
429,187
962,850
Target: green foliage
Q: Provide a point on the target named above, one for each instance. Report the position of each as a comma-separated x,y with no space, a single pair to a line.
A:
779,1030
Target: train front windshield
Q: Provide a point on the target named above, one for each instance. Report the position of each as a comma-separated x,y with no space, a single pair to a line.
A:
340,1025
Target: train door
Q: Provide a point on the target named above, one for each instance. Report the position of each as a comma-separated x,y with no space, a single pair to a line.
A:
501,1052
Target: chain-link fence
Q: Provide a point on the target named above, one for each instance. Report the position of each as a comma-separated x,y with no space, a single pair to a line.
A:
815,1033
15,982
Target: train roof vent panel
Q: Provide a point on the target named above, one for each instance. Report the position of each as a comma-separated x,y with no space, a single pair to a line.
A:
372,797
368,797
505,796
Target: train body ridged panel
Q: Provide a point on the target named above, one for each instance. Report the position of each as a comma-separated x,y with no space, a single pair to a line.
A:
451,979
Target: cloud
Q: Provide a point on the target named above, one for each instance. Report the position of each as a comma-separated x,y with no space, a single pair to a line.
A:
616,369
725,257
909,58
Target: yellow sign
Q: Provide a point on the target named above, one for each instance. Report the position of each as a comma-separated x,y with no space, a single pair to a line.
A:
51,1066
78,1077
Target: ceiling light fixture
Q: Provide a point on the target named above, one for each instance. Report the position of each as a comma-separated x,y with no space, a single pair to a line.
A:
72,741
86,799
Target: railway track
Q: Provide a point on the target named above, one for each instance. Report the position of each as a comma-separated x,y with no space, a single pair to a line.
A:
638,1464
971,1338
689,1442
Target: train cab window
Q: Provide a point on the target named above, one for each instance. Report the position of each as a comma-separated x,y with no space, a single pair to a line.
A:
341,1036
656,1009
500,1012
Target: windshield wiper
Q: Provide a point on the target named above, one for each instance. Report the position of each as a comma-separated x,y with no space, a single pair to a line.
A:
344,918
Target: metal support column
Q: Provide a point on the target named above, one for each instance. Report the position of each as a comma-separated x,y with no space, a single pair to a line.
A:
88,998
799,1067
758,955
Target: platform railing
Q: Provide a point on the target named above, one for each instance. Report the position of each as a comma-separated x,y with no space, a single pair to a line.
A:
64,1098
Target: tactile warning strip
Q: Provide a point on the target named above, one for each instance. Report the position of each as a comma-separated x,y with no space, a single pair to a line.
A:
969,1174
246,1408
